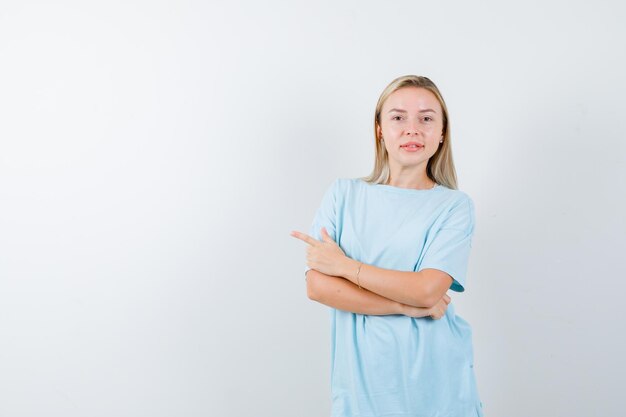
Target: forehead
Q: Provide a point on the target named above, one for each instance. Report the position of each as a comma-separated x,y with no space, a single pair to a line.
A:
412,98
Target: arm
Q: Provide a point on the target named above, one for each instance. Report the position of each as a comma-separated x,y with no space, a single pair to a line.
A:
419,289
342,294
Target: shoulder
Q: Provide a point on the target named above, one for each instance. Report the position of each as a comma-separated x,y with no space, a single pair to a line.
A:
336,189
466,201
345,182
341,185
457,198
459,209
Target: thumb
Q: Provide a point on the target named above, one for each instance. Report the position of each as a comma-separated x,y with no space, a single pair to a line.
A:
325,236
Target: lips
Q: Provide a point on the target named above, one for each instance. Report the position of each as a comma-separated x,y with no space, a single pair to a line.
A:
419,145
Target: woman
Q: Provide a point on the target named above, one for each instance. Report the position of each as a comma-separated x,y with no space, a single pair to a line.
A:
382,252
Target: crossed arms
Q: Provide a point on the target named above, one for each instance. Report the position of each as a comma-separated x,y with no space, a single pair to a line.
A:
383,291
334,280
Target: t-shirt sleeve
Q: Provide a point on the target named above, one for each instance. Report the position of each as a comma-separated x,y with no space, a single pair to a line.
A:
450,248
325,216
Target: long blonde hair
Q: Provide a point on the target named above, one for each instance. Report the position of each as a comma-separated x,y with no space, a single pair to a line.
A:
440,167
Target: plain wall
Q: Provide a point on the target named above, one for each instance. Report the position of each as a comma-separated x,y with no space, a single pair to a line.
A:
155,155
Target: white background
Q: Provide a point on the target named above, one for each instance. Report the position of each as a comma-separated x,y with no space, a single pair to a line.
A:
155,155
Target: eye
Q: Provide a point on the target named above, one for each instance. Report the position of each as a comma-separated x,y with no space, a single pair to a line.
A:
428,119
396,118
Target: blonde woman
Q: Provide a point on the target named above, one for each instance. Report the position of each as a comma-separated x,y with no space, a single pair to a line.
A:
382,252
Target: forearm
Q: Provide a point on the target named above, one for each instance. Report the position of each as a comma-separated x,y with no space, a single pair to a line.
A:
405,287
340,293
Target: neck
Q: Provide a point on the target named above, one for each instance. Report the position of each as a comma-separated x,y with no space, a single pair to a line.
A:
413,177
417,184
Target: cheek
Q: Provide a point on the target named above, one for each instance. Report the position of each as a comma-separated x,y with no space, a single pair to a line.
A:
392,130
435,130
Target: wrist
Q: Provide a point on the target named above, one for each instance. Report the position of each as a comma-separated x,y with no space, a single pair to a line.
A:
350,268
412,311
401,309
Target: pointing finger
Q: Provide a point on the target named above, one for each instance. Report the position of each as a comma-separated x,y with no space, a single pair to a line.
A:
304,237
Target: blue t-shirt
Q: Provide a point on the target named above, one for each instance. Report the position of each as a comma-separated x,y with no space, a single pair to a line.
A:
395,365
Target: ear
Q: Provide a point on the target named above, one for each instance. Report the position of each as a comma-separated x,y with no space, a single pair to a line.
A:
378,130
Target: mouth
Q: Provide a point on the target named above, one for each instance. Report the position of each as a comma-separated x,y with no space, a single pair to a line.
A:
412,146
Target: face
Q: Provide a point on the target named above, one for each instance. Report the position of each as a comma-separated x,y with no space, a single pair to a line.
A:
411,114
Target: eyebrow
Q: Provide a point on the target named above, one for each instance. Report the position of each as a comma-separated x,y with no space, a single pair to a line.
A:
404,111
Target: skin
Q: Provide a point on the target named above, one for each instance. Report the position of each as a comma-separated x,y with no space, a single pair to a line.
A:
408,114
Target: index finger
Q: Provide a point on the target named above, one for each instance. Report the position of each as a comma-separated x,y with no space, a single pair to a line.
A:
304,237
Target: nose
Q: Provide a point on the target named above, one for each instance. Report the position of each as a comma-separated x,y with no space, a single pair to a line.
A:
413,128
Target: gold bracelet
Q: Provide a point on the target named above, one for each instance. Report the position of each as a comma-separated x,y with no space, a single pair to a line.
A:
357,275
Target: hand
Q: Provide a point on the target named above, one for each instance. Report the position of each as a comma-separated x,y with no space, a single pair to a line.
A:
324,256
438,310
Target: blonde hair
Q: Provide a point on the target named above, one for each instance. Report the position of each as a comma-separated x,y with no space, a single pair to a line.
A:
440,167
